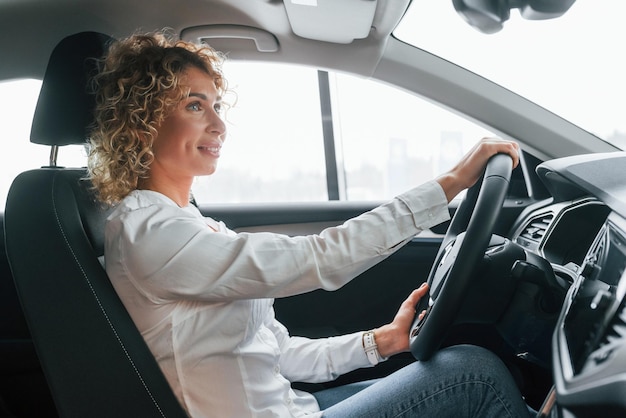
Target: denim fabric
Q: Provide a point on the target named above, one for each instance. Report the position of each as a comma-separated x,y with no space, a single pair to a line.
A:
460,381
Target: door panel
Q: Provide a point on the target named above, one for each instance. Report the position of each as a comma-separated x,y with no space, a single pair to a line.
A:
371,299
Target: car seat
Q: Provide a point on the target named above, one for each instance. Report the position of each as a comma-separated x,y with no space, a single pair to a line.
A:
94,359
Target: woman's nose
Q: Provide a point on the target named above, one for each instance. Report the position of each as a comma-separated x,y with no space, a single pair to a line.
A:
216,123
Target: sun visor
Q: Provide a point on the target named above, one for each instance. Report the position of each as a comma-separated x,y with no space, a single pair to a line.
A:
337,21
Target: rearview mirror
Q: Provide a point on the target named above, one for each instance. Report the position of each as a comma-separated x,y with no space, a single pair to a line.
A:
488,16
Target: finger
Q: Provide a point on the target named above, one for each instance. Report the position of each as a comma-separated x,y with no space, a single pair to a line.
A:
406,313
496,145
409,305
416,295
513,151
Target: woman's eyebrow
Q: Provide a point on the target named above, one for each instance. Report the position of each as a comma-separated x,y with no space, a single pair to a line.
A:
204,96
199,95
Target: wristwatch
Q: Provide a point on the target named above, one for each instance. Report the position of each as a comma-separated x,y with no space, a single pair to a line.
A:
371,349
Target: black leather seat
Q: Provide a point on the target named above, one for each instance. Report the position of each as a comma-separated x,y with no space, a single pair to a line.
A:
96,362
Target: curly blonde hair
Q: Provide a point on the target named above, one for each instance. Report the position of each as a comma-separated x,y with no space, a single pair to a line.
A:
137,87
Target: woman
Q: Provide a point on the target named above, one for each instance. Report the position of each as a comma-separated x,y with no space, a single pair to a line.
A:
202,295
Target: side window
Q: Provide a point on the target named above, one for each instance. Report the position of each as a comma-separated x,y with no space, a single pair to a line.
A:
391,140
274,151
386,140
17,105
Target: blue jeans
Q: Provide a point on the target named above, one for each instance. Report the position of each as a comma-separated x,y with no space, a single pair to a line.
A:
460,381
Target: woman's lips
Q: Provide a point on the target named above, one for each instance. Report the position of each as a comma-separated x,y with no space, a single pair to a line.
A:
213,149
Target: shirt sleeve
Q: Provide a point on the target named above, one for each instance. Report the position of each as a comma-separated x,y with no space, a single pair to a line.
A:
325,358
170,254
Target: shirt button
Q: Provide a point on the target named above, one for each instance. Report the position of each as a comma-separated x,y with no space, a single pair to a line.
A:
276,370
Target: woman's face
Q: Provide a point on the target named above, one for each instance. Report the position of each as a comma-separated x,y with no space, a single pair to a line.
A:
189,140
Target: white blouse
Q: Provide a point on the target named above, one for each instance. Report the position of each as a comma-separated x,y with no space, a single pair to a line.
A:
201,295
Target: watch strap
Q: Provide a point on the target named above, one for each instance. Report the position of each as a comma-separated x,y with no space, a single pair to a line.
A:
371,349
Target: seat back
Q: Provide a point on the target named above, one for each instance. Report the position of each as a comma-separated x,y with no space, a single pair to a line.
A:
95,360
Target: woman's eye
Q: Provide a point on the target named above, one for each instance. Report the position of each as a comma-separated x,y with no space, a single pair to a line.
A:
195,106
218,108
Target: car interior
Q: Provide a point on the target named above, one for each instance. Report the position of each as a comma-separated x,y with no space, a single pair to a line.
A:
531,265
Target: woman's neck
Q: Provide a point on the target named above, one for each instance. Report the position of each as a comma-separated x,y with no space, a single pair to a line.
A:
179,194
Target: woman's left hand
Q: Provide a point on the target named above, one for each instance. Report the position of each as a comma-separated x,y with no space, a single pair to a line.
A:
393,338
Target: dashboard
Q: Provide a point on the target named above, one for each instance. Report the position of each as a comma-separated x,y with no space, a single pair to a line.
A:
581,232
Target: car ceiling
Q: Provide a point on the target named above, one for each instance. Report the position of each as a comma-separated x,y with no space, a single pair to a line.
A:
34,27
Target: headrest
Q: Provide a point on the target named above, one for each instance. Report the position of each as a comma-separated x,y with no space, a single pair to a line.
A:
65,107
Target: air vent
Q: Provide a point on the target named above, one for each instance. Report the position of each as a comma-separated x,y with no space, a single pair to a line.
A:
534,231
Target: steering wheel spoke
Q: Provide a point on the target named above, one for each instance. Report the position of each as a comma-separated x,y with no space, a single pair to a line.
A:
446,263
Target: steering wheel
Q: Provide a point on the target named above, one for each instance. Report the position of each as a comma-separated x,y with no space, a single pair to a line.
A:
459,255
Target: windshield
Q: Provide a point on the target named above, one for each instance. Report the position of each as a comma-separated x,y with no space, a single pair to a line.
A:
572,65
